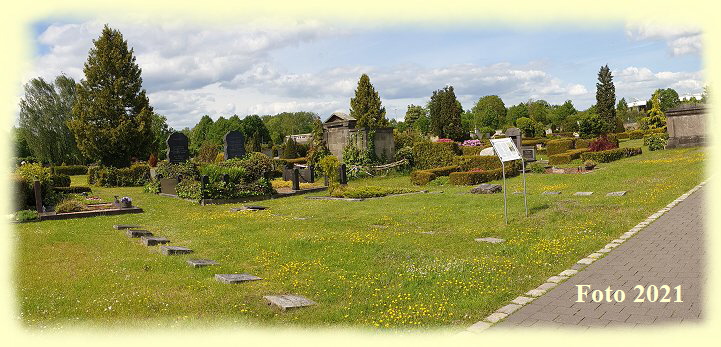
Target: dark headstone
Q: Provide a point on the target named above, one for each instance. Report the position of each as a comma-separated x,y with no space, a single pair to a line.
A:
296,179
311,170
138,233
236,278
285,302
173,250
152,241
201,262
177,148
342,173
234,145
529,153
487,188
515,135
38,197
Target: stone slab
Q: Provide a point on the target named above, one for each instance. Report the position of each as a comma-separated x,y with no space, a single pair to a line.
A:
138,233
175,250
236,278
490,240
152,241
487,188
556,279
620,193
479,326
568,272
508,309
583,193
125,226
585,261
550,193
496,316
285,302
522,300
201,262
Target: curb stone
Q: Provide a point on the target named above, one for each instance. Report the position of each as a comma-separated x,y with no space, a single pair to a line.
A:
521,301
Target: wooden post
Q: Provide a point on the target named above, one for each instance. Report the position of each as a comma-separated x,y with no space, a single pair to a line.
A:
203,182
343,177
312,173
296,179
38,196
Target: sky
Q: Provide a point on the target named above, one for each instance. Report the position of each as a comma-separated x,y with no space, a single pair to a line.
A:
259,67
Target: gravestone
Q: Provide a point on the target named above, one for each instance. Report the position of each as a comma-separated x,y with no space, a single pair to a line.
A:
177,148
201,262
236,278
234,145
342,173
551,193
152,241
173,250
621,193
285,302
296,179
125,226
138,233
529,153
515,135
490,240
583,193
487,188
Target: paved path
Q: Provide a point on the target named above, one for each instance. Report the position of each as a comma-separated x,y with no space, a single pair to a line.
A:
670,252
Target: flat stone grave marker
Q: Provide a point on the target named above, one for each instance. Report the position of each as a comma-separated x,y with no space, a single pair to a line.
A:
490,240
248,208
550,193
201,262
152,241
620,193
174,250
285,302
125,226
487,188
583,193
236,278
138,233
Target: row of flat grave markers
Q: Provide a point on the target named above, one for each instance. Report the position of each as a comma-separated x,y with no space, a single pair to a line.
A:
234,146
284,302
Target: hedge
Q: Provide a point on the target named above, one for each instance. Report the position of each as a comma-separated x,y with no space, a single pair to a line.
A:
422,177
428,155
611,154
135,175
652,137
583,143
59,180
623,135
468,162
559,146
472,150
636,134
482,176
533,142
70,170
566,157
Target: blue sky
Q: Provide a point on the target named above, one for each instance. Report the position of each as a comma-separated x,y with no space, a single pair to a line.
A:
258,68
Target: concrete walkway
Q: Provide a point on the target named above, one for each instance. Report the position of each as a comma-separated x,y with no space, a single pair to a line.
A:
669,252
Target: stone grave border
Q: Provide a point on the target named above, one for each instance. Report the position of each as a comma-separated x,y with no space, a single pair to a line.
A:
84,214
362,199
553,281
204,202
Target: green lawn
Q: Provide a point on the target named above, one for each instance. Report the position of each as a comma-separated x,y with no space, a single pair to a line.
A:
403,261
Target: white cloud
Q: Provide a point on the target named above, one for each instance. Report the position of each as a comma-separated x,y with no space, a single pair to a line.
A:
680,39
635,82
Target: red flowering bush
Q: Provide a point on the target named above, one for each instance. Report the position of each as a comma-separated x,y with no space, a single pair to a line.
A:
601,144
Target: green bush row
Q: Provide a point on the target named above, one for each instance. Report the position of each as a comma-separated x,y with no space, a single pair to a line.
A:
428,155
70,170
468,162
472,150
566,157
610,155
582,143
559,146
533,142
108,176
481,176
422,177
369,192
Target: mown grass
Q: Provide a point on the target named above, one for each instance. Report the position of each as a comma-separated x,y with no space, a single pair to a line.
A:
397,262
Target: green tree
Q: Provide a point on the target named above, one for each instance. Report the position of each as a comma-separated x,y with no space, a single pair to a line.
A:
423,124
413,113
538,111
253,126
489,111
606,99
668,98
318,148
656,117
558,114
515,112
161,131
445,114
366,107
622,110
45,110
112,117
200,132
592,125
289,123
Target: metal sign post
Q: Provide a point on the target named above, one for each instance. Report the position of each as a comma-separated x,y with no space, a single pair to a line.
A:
506,150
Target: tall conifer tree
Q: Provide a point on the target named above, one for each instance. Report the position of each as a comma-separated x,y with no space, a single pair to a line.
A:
112,117
606,99
445,114
366,106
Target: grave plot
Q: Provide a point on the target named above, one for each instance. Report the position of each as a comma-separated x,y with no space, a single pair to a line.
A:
201,262
285,302
138,233
236,278
153,241
175,250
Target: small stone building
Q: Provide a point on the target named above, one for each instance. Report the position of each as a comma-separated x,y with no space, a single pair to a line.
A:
686,126
340,128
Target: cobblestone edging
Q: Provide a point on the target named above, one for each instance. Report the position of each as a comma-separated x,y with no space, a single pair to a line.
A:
553,281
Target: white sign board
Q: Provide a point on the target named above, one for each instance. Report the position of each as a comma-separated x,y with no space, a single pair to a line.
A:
505,149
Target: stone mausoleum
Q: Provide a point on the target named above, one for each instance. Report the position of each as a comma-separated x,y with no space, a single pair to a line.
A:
340,128
686,126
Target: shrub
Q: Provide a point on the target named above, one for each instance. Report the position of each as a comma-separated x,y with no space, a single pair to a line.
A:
187,169
24,178
291,149
188,189
602,144
636,134
207,152
407,154
136,175
590,163
481,176
532,142
370,192
219,158
153,160
69,205
468,162
582,143
471,150
26,215
566,157
623,135
439,181
152,187
257,165
422,177
655,141
215,173
231,190
434,154
59,180
329,167
559,146
70,170
610,155
536,168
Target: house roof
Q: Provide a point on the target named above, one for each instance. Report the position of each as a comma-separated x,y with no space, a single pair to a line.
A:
340,115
